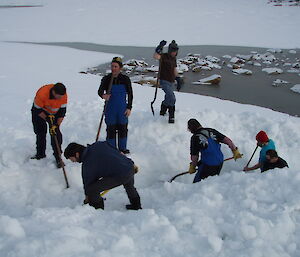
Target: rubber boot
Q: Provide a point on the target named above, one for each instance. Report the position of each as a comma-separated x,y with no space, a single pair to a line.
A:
135,204
163,109
171,114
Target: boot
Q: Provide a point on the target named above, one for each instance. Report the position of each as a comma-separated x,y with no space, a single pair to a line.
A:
37,157
135,204
171,114
163,109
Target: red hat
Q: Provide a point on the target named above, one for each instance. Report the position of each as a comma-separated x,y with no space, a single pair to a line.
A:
262,137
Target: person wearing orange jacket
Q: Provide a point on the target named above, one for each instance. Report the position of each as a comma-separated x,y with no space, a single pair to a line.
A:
50,101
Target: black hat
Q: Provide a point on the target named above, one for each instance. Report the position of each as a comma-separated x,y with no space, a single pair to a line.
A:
118,60
173,47
193,125
72,149
59,88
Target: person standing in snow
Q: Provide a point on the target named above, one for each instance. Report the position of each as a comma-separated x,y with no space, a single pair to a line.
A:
50,101
119,106
103,168
207,142
167,76
273,161
266,144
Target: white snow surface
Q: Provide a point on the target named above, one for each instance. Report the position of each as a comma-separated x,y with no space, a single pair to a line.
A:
234,214
145,23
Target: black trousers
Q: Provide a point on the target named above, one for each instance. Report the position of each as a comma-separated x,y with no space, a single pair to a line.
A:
93,190
205,171
40,130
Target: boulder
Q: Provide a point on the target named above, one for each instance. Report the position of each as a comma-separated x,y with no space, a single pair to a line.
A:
279,82
211,80
272,71
242,71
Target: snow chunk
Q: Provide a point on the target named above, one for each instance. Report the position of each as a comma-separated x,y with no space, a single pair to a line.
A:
226,56
213,79
292,51
124,244
279,82
242,71
274,50
272,71
293,70
11,227
296,88
216,243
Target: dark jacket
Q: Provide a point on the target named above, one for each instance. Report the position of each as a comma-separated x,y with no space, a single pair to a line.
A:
207,142
102,160
120,80
281,163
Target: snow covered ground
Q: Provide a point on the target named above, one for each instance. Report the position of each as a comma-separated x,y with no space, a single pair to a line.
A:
234,214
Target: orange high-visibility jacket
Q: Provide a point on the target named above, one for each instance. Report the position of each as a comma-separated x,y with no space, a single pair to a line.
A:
43,101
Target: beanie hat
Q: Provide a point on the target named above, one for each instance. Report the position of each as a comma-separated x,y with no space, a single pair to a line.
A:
118,60
173,47
262,137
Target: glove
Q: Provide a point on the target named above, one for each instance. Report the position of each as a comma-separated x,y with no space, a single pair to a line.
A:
135,168
236,154
160,47
52,130
180,83
192,169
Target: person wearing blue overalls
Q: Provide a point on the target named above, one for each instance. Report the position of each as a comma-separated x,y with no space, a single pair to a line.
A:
207,142
119,103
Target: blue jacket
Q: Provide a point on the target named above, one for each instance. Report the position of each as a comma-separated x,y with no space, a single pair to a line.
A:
102,160
269,146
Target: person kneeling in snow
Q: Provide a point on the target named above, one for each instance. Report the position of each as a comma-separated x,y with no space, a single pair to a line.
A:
273,161
266,144
207,142
103,168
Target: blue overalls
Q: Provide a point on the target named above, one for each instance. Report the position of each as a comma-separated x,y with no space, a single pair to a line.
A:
211,160
115,117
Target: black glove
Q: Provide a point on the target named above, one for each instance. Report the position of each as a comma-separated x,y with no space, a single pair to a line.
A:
180,83
160,47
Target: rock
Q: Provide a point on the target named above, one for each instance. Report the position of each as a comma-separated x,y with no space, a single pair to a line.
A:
212,59
274,50
242,71
200,68
181,67
153,68
226,56
279,82
292,51
245,57
211,80
296,88
272,71
235,66
237,60
292,70
142,80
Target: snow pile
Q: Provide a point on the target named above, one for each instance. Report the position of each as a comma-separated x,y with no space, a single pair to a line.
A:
228,215
234,214
296,88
